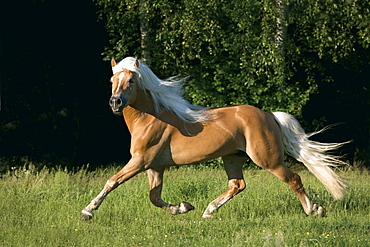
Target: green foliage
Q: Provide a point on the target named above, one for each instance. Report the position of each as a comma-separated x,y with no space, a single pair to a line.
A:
229,47
331,29
41,208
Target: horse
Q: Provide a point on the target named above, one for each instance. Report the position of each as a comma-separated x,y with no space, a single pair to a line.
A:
166,130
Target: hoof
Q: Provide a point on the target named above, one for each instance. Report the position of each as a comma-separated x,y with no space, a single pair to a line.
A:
86,215
186,206
207,216
181,208
318,211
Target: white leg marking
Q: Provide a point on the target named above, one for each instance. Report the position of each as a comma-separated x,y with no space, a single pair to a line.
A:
212,208
110,184
308,210
182,209
87,213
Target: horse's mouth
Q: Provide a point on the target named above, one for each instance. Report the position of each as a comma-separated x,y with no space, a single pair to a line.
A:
117,112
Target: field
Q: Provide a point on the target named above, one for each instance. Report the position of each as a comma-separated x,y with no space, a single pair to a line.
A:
41,208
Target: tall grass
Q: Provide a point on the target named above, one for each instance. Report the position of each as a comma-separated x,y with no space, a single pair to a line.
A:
41,208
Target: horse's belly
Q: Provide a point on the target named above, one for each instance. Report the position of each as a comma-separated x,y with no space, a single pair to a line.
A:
205,146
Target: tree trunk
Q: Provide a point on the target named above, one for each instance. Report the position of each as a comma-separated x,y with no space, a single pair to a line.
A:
144,23
280,40
281,26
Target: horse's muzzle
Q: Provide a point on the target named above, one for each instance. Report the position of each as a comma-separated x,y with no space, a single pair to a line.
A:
117,103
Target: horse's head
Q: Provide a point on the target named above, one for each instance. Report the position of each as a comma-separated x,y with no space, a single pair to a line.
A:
123,89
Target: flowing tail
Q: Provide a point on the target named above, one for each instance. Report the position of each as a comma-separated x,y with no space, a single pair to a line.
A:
314,155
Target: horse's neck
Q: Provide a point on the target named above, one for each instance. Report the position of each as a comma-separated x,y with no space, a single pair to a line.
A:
143,110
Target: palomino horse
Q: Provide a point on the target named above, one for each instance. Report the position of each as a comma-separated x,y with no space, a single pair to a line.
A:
168,131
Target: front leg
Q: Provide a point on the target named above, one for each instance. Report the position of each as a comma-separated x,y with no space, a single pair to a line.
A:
133,167
155,177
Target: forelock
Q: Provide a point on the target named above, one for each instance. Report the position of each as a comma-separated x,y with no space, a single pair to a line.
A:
127,63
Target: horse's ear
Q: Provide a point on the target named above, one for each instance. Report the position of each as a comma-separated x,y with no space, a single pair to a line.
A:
136,64
113,62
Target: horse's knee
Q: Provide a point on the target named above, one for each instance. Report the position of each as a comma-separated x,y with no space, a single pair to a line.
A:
236,186
241,185
111,184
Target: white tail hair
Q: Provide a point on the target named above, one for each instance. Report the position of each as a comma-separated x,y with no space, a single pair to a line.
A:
314,155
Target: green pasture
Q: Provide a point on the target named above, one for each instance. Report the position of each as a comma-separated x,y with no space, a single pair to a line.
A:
41,208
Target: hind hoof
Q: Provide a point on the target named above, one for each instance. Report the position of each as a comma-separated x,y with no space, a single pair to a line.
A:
185,207
318,211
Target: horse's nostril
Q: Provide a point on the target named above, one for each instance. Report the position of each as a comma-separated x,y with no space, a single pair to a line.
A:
112,102
119,102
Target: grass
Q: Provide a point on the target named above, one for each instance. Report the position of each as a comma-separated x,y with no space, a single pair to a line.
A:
41,208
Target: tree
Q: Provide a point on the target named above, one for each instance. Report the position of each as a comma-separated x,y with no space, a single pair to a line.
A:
274,54
228,47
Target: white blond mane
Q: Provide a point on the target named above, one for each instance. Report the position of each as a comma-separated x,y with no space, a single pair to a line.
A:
166,94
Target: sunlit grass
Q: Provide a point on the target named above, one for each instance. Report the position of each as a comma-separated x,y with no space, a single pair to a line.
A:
41,208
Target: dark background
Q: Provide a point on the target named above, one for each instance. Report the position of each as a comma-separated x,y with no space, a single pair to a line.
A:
55,86
55,89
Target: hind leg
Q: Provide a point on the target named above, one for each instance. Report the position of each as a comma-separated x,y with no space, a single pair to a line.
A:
295,183
265,148
233,166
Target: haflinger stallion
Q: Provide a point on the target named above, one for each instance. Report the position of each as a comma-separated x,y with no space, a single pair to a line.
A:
168,131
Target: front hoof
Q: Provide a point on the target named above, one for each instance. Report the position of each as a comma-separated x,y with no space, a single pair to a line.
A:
207,216
318,210
86,215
